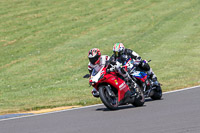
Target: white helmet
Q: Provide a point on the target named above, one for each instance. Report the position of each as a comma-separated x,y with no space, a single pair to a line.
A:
118,49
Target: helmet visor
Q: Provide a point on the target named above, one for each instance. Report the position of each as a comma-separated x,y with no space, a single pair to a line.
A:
116,53
94,60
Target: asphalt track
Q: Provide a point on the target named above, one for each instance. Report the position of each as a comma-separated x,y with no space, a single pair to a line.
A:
177,112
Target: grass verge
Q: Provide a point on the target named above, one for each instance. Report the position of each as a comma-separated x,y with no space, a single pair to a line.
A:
44,45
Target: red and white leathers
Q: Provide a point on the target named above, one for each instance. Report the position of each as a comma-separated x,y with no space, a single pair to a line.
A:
97,67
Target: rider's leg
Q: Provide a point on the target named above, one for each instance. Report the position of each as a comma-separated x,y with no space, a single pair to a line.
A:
153,77
127,79
95,93
124,74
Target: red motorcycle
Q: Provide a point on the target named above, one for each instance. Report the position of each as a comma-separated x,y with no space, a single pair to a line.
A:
114,91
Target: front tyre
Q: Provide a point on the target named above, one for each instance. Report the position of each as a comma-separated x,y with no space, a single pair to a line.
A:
157,93
140,98
111,102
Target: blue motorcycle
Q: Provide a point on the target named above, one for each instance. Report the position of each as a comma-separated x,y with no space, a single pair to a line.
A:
143,81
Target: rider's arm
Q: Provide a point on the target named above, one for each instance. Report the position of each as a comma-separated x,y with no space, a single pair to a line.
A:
112,60
90,68
105,59
133,54
111,64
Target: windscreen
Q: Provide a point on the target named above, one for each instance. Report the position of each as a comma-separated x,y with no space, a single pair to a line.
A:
96,70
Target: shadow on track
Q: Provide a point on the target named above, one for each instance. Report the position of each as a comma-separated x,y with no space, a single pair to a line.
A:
119,108
151,100
129,106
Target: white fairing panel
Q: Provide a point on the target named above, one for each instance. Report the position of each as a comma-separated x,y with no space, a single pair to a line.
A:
96,75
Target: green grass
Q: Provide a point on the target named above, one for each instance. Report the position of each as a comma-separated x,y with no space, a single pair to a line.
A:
44,46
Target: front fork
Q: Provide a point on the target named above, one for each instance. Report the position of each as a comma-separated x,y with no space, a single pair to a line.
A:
147,88
110,92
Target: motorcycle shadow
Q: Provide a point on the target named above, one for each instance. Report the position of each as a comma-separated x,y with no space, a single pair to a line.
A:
122,107
151,100
129,106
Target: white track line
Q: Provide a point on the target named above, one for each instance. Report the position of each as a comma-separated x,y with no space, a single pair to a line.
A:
87,106
181,89
49,112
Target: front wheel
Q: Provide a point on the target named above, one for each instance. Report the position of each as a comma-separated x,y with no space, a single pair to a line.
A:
110,101
157,93
140,99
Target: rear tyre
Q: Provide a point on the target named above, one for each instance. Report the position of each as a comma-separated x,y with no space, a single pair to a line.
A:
157,93
111,102
140,99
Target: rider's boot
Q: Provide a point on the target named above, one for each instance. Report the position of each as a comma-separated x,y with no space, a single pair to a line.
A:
95,93
153,78
155,81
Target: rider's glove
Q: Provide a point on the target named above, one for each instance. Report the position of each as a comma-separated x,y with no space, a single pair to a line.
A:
142,62
112,68
137,62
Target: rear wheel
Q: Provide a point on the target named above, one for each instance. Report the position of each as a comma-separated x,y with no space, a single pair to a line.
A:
157,93
140,98
110,101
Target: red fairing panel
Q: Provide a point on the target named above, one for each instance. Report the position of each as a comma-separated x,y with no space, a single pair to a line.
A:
143,79
119,84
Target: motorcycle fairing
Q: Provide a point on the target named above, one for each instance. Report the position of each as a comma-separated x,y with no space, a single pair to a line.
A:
112,79
140,75
119,84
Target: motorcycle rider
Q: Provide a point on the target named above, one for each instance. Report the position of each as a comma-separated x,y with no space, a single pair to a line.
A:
121,54
96,61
